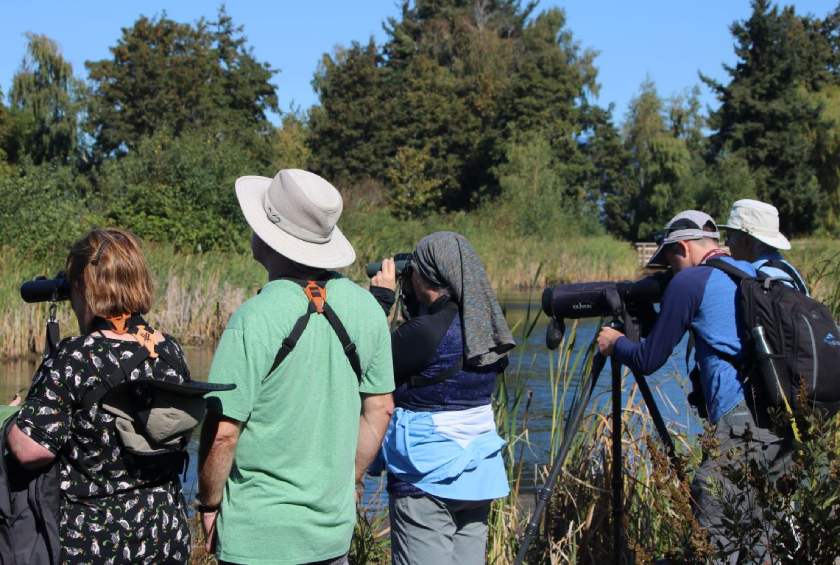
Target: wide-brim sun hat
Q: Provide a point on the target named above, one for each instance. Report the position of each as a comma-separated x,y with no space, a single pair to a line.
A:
685,226
295,214
758,219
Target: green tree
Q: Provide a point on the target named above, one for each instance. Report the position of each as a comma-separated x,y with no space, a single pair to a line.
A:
660,163
179,78
768,116
459,79
290,148
44,105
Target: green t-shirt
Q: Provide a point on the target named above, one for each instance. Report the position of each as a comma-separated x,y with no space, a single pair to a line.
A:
289,498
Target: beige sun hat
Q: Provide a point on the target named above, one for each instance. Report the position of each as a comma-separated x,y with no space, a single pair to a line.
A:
760,220
295,214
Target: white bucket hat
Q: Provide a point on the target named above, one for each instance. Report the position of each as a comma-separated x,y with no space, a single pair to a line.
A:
295,214
760,220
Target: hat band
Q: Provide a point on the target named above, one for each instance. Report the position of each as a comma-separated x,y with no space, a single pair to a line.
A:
689,235
291,228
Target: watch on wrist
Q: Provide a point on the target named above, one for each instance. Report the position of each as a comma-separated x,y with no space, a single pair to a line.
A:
207,508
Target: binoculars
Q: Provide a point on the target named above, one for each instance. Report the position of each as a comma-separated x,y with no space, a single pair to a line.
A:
401,261
42,289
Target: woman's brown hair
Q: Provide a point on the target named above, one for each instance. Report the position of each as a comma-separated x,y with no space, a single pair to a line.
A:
107,267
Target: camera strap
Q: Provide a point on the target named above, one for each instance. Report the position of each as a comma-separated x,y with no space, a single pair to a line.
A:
53,331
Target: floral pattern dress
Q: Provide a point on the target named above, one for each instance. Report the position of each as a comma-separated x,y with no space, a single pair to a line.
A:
113,509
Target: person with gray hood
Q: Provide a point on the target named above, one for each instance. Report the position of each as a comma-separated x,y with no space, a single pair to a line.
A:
442,453
753,235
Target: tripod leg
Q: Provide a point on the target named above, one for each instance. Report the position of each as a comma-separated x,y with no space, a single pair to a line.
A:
617,463
544,494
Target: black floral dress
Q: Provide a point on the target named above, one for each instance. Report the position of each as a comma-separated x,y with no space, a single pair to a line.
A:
113,510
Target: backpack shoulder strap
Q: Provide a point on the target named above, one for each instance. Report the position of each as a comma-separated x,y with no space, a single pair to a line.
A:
789,271
417,380
119,375
316,292
734,272
291,340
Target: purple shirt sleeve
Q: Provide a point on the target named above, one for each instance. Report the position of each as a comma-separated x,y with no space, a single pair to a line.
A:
680,304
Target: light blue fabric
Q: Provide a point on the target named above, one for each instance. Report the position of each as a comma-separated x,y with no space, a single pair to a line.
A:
438,465
774,272
716,329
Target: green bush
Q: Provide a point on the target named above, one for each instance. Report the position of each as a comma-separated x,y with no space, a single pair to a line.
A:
180,191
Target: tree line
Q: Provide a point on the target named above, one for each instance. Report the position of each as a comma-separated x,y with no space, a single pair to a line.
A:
469,106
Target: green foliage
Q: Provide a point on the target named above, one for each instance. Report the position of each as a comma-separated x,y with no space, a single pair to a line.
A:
290,149
180,78
45,100
663,147
180,190
535,192
795,515
413,190
768,114
457,81
42,209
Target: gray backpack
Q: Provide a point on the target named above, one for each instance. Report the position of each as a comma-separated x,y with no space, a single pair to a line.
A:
30,503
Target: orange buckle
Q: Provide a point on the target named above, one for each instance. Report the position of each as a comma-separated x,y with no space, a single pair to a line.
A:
317,295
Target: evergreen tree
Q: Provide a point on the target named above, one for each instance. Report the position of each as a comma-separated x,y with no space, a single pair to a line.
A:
44,106
768,116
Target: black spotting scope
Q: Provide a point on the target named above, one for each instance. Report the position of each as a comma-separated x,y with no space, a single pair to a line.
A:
603,299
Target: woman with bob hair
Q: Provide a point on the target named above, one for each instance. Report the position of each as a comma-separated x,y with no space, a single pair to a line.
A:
116,507
441,450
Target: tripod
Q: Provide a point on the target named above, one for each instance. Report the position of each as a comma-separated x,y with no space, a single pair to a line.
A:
544,494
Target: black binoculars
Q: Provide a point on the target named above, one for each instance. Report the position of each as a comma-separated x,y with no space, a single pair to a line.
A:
42,289
401,261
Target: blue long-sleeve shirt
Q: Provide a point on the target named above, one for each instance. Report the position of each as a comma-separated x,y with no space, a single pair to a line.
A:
704,300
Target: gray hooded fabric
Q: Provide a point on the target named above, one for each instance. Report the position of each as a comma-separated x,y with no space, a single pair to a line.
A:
447,259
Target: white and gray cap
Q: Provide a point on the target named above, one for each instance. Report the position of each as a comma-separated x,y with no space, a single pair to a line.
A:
760,220
685,226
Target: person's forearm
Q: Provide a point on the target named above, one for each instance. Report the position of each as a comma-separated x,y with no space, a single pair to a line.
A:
372,427
216,451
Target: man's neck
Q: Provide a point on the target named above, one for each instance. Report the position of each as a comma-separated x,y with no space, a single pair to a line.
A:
281,268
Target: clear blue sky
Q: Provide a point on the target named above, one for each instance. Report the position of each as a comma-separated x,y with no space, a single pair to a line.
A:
668,40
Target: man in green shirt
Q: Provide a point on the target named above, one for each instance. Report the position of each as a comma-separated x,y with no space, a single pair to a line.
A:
281,454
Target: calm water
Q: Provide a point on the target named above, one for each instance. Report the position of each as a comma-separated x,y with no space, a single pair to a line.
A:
535,369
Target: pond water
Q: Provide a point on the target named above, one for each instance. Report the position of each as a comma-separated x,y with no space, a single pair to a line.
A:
534,363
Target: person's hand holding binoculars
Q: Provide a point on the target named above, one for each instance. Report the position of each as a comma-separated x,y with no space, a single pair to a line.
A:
387,276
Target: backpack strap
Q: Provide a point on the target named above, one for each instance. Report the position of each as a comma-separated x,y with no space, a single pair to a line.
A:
736,274
119,375
291,341
790,271
417,380
316,292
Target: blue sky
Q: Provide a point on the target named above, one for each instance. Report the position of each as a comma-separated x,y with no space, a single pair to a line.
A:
668,40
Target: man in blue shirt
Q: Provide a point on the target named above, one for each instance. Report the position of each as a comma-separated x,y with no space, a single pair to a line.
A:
753,235
702,299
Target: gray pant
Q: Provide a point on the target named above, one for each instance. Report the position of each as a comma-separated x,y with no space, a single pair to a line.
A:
768,449
434,531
